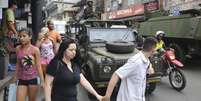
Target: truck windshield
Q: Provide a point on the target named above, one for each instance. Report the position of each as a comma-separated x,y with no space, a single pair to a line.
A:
114,34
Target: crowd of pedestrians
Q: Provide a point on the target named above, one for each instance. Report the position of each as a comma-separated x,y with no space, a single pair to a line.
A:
54,62
59,72
50,63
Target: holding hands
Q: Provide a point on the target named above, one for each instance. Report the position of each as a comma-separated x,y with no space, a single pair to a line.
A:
106,98
99,97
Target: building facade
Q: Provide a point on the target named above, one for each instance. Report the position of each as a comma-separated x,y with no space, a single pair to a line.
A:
132,9
181,5
60,9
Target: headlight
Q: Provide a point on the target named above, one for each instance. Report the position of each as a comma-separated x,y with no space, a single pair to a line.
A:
107,69
172,57
106,60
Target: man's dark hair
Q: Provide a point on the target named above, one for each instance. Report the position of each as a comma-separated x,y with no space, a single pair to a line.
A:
149,44
11,3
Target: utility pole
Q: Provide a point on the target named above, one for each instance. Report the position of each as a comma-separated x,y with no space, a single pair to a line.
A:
37,17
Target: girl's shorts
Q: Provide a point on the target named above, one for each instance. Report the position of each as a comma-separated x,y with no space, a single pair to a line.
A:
34,81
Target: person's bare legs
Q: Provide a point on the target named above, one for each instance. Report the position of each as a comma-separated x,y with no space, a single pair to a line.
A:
21,93
44,66
32,92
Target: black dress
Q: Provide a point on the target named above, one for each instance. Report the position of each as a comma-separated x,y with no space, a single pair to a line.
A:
65,81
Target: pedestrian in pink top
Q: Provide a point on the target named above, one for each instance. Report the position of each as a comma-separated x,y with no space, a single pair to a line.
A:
27,68
47,48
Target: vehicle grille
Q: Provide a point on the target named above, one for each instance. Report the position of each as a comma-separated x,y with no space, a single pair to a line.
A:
115,66
120,62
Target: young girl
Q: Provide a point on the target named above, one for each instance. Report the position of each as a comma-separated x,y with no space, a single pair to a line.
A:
27,68
47,49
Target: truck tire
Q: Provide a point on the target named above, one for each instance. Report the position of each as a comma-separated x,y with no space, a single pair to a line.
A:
120,47
178,52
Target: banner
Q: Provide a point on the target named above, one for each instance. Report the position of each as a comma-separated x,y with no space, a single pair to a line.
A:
131,11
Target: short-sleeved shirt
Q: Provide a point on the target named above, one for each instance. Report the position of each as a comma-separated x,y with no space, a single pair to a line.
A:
8,16
65,81
55,36
133,78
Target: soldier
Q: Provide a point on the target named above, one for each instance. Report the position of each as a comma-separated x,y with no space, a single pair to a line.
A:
88,12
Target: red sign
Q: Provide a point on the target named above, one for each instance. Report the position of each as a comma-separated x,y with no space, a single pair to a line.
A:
150,6
131,11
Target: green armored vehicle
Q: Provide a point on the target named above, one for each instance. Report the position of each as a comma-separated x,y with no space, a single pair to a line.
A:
183,33
104,46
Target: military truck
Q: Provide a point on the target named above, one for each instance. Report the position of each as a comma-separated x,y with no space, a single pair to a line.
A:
183,33
103,49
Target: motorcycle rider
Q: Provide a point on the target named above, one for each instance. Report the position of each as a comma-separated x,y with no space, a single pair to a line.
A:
160,46
159,36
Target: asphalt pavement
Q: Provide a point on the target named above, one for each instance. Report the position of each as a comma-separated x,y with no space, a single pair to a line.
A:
163,92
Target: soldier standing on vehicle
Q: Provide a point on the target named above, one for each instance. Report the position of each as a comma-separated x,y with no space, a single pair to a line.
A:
132,75
88,12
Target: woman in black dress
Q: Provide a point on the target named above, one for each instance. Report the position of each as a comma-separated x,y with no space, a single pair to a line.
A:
63,74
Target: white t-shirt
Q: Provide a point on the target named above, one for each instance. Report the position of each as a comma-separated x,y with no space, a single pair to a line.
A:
133,78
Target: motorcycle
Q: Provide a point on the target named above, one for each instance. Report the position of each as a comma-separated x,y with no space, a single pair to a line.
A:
166,64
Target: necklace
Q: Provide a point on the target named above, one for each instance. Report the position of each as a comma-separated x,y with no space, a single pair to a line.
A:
69,66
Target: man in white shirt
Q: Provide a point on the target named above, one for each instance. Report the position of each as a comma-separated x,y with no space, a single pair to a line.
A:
132,75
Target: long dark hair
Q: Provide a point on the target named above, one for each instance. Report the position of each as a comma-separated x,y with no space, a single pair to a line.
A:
63,46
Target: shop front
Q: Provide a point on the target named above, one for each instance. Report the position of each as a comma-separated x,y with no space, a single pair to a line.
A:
133,14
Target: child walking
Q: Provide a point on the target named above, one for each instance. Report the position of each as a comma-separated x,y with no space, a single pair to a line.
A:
27,68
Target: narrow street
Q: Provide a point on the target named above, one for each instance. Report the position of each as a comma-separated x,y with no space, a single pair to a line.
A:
163,92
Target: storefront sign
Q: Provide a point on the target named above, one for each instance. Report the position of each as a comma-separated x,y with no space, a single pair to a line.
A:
153,5
131,11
